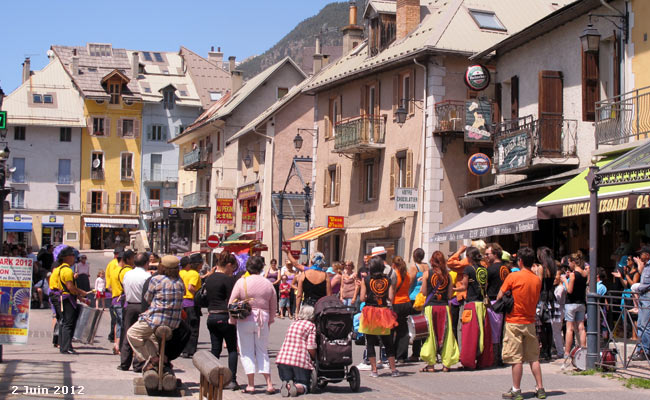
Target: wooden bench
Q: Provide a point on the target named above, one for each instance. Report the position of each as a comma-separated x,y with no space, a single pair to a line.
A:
153,382
213,375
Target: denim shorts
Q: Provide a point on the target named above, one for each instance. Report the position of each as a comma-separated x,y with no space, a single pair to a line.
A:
284,302
574,312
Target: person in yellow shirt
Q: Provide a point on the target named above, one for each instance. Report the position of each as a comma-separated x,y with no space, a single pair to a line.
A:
117,277
55,301
114,263
69,293
192,280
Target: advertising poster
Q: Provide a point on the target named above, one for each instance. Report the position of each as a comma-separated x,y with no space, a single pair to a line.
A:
225,211
15,289
513,152
478,116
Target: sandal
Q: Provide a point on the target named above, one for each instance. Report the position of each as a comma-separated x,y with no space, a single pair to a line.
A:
428,368
246,391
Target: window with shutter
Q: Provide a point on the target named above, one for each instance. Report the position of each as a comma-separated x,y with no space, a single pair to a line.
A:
136,128
409,169
393,181
496,115
120,127
411,93
89,125
514,97
107,126
550,112
590,85
337,189
326,187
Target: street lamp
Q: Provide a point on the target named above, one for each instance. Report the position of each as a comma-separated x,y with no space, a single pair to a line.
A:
297,142
590,39
401,112
247,160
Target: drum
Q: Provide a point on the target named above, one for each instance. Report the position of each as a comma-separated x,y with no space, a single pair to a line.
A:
87,324
418,327
579,358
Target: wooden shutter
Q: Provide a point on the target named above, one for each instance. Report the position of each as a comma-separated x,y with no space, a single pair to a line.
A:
337,188
326,187
393,180
104,201
89,125
396,94
376,175
120,124
89,201
340,108
411,104
149,132
328,119
117,203
107,126
362,100
514,97
132,205
590,87
377,98
617,66
496,115
409,168
136,128
550,111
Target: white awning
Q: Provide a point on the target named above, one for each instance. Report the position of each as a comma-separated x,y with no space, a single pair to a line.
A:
506,217
372,224
111,222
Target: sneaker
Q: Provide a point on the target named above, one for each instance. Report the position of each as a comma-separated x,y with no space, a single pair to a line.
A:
395,374
639,356
540,393
364,367
512,395
284,389
374,374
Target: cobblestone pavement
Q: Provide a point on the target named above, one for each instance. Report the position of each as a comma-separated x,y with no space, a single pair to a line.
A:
38,366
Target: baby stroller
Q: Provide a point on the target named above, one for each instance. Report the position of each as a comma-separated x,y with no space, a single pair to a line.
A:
334,339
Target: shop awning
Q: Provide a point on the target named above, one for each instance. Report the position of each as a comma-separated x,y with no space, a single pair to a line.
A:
52,221
17,226
313,234
506,217
372,224
572,198
111,222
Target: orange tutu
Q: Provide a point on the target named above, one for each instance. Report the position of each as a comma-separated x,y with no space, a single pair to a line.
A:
377,321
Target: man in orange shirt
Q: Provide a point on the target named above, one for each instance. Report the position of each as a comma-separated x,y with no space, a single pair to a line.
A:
520,340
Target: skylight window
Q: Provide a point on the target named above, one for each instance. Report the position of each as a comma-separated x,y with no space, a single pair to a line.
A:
37,98
158,57
183,92
47,99
487,20
147,56
214,96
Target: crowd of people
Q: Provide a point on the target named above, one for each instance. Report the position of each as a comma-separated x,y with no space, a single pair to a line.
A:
483,307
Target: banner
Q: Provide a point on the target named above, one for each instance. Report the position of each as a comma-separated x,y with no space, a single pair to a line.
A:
335,222
15,299
224,211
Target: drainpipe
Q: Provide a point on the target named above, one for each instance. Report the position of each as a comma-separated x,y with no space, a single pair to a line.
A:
423,150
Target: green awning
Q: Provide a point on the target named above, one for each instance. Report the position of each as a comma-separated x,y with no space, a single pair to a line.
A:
572,198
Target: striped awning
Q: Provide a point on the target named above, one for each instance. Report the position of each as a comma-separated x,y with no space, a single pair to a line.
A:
111,222
312,234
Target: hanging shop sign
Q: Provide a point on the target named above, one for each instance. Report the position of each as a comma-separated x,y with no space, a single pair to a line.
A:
335,222
249,213
225,211
248,191
513,152
15,299
625,202
406,199
478,114
477,77
479,164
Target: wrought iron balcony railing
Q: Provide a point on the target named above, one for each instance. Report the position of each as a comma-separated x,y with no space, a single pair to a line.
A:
359,134
450,116
623,118
110,208
160,175
198,158
196,200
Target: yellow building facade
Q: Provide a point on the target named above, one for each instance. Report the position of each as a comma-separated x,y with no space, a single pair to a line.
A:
639,37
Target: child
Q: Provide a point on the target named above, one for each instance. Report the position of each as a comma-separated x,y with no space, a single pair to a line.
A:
285,296
100,288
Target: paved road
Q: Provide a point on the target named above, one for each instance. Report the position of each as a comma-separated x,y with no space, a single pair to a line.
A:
38,366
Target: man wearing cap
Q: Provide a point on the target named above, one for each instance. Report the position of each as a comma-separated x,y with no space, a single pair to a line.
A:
133,283
165,294
113,264
119,300
192,280
68,299
643,322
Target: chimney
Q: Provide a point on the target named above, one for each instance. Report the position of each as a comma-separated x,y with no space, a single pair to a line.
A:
318,58
237,80
75,63
26,69
135,65
353,33
216,56
408,17
231,63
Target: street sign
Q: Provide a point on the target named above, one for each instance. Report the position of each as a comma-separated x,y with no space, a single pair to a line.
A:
213,241
3,120
406,199
300,227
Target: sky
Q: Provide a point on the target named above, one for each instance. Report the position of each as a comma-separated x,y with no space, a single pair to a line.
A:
241,28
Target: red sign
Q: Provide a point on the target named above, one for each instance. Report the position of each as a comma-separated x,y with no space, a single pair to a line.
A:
213,241
335,222
286,245
259,235
295,253
225,211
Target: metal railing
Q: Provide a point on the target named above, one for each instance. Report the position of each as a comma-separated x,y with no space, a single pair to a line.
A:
450,116
623,118
197,157
359,132
110,208
160,175
64,206
97,174
64,179
552,137
196,200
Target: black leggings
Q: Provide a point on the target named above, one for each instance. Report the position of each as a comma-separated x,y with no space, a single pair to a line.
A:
386,340
401,332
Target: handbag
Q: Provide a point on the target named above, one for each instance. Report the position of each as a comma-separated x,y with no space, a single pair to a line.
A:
504,304
201,297
240,309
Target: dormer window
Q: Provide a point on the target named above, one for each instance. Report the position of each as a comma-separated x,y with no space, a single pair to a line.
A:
147,56
383,31
114,90
99,50
487,20
169,99
158,57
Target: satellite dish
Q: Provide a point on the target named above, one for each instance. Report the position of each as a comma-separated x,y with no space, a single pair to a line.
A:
12,169
96,163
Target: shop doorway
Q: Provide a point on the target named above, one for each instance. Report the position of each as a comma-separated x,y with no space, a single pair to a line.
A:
96,238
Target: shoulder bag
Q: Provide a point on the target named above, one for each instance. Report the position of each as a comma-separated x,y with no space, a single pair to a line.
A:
241,309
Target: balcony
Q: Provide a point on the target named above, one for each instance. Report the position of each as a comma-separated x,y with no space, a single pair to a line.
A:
450,116
109,208
159,175
196,201
525,144
360,134
623,118
64,179
97,174
199,158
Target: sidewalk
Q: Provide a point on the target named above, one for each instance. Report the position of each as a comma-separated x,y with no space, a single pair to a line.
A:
39,366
